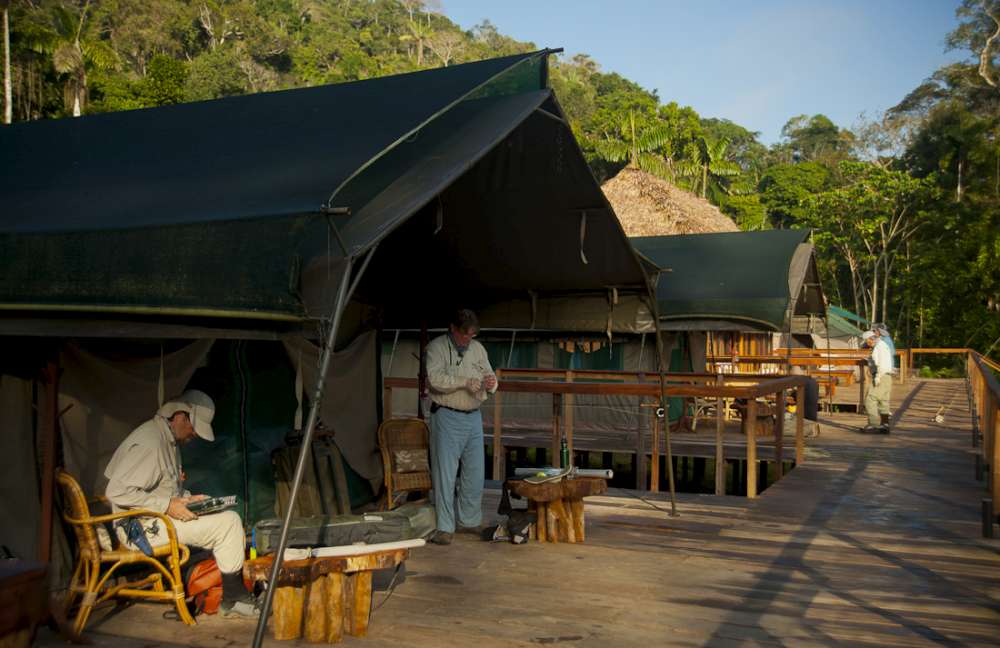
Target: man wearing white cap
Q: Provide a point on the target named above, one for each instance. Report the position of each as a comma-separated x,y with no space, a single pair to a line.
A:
877,399
145,472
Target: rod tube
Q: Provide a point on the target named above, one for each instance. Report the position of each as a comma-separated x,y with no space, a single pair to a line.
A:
324,367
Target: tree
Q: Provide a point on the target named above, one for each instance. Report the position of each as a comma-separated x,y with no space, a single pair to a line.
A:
8,101
815,138
867,221
710,172
636,147
66,39
785,188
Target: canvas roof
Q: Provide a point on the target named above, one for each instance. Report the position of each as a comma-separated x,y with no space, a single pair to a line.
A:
742,280
466,177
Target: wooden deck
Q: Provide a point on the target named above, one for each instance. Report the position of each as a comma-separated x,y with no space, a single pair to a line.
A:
874,541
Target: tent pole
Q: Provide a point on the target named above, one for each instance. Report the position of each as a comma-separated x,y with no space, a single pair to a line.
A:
324,366
661,367
50,429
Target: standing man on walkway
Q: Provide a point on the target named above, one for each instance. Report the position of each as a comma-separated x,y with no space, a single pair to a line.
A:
880,392
460,379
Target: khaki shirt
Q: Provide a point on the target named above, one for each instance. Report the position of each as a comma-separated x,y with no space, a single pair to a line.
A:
145,471
447,373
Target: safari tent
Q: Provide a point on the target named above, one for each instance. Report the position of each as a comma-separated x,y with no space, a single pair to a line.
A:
248,244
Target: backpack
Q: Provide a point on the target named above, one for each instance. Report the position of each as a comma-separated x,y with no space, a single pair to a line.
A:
203,586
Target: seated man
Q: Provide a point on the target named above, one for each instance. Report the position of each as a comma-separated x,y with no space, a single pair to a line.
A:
145,472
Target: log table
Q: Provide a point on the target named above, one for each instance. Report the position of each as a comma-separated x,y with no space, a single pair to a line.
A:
321,598
558,506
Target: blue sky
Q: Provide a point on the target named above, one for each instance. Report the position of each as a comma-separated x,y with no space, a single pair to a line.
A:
756,62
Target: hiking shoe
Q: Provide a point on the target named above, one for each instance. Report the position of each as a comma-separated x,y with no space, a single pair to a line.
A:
440,538
245,609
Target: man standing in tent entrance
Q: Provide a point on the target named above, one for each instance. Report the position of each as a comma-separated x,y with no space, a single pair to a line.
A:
880,391
460,378
145,472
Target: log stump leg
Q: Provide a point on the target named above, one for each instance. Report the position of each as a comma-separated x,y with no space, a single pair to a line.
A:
576,508
288,602
360,603
541,518
563,519
334,608
551,524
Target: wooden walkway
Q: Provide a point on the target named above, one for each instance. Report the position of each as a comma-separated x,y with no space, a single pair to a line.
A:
874,541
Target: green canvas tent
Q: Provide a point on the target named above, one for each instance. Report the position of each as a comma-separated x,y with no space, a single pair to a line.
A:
289,215
741,281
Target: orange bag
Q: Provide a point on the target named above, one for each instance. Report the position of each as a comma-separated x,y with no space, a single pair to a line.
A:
204,587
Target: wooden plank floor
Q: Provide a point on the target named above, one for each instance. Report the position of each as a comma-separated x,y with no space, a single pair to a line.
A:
874,541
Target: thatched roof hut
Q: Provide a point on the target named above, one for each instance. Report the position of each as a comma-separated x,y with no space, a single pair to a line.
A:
649,206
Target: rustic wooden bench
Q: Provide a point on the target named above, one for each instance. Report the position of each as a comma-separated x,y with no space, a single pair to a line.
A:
322,598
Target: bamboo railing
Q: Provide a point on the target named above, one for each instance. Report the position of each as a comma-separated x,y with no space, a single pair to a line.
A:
643,385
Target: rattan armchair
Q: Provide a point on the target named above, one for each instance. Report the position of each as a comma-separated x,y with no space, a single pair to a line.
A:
408,438
95,565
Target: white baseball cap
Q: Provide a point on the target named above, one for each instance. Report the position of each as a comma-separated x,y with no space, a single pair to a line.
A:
867,335
200,409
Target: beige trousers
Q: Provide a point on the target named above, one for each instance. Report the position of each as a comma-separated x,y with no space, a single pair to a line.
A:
877,400
221,533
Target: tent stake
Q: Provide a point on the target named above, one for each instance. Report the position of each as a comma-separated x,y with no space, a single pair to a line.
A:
324,366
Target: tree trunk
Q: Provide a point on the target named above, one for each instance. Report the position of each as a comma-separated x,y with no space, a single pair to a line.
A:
873,298
8,101
704,180
958,187
420,52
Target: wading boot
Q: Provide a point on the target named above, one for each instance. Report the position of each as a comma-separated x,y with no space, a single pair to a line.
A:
884,428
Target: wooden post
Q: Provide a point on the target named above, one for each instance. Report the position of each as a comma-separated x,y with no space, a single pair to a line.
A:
720,456
49,429
386,403
640,450
315,612
800,421
995,459
568,416
779,435
498,467
654,473
750,429
422,371
288,612
556,416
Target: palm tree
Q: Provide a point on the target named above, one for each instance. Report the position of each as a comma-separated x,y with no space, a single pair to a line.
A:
73,51
710,172
8,103
638,148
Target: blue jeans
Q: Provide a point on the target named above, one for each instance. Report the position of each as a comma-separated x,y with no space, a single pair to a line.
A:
457,438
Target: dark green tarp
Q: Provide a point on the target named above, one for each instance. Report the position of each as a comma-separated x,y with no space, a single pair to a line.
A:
213,209
756,279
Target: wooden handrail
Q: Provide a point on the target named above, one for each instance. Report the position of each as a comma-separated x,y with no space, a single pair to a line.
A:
985,400
690,385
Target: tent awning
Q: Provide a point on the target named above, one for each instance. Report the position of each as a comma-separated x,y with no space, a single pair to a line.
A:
754,280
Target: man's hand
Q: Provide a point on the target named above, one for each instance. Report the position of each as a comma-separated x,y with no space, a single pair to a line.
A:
196,498
489,382
473,385
178,509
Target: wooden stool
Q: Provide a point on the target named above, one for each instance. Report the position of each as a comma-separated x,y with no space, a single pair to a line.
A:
322,598
558,506
24,597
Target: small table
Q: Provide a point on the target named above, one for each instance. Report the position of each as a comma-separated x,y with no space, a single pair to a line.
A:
322,598
558,506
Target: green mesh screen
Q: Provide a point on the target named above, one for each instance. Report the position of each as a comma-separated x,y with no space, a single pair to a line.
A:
225,266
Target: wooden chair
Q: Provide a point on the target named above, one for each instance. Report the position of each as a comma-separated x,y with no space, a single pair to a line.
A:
92,576
398,437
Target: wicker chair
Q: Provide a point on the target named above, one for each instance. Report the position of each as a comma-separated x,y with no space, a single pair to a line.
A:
401,441
92,577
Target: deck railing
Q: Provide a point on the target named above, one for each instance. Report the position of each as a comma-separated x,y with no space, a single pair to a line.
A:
562,385
984,396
